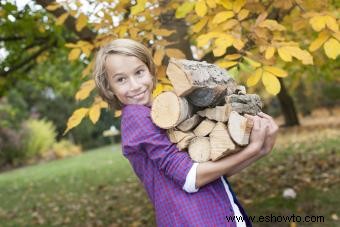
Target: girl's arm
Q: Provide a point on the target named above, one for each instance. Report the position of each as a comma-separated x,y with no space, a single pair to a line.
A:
259,140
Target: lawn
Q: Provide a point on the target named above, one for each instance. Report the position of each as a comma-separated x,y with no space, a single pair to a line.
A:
99,188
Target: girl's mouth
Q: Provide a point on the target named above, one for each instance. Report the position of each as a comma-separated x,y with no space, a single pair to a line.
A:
139,95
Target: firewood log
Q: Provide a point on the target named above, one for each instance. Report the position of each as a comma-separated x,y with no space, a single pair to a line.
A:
221,144
218,113
184,143
190,123
176,136
199,149
168,110
202,83
204,128
239,128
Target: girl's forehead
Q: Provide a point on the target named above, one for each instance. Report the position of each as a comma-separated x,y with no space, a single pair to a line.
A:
116,62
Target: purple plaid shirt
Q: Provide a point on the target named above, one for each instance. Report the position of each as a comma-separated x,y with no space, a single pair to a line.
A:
162,168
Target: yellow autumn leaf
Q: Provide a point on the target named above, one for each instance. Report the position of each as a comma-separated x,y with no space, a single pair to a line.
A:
254,78
201,8
272,25
168,87
317,43
232,57
202,40
176,53
271,83
227,4
242,14
184,9
60,20
52,7
225,40
157,90
219,51
332,48
74,54
200,25
139,7
276,71
300,54
284,54
87,69
162,32
94,113
331,23
85,90
211,3
71,45
229,24
81,22
238,44
318,22
238,4
76,118
222,16
336,35
103,104
269,52
226,64
252,62
158,56
118,113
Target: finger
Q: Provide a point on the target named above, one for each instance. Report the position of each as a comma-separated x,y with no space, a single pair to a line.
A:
256,124
261,114
249,116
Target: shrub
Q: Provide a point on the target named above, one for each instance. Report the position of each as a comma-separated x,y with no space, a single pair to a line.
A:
39,136
65,148
10,146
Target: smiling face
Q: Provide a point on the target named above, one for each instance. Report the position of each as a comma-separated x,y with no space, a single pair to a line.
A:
129,79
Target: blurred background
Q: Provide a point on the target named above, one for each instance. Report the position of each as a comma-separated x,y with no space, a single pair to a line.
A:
60,151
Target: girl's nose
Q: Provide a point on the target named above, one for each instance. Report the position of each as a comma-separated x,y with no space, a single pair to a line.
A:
134,85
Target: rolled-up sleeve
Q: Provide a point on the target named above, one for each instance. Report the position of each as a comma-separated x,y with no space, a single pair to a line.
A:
140,134
190,183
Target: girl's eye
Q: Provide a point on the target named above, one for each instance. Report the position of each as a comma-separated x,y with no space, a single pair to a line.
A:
120,79
139,72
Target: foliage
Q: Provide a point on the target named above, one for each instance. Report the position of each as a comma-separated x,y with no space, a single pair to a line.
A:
39,136
255,39
65,148
11,150
12,110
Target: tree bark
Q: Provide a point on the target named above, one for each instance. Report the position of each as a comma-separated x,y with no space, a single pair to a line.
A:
287,106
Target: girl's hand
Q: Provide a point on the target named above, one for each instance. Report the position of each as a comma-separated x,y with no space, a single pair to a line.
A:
273,129
258,133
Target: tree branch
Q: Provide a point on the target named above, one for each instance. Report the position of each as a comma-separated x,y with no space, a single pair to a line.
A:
26,61
12,38
70,23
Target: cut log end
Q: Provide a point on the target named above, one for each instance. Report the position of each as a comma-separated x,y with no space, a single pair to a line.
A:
169,110
239,128
199,149
221,144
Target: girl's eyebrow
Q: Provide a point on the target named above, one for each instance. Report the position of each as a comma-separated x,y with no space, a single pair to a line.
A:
122,73
139,67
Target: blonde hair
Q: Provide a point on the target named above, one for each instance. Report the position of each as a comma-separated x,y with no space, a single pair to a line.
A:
126,47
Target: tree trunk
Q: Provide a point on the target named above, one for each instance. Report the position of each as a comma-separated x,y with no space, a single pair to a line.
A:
287,106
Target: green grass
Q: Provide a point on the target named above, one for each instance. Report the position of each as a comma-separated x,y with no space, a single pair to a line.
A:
99,188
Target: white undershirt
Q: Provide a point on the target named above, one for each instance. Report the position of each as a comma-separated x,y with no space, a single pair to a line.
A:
189,186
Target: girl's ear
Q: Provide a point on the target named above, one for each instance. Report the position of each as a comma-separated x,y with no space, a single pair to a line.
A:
110,93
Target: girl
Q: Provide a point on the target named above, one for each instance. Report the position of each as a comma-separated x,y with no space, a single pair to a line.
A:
183,193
